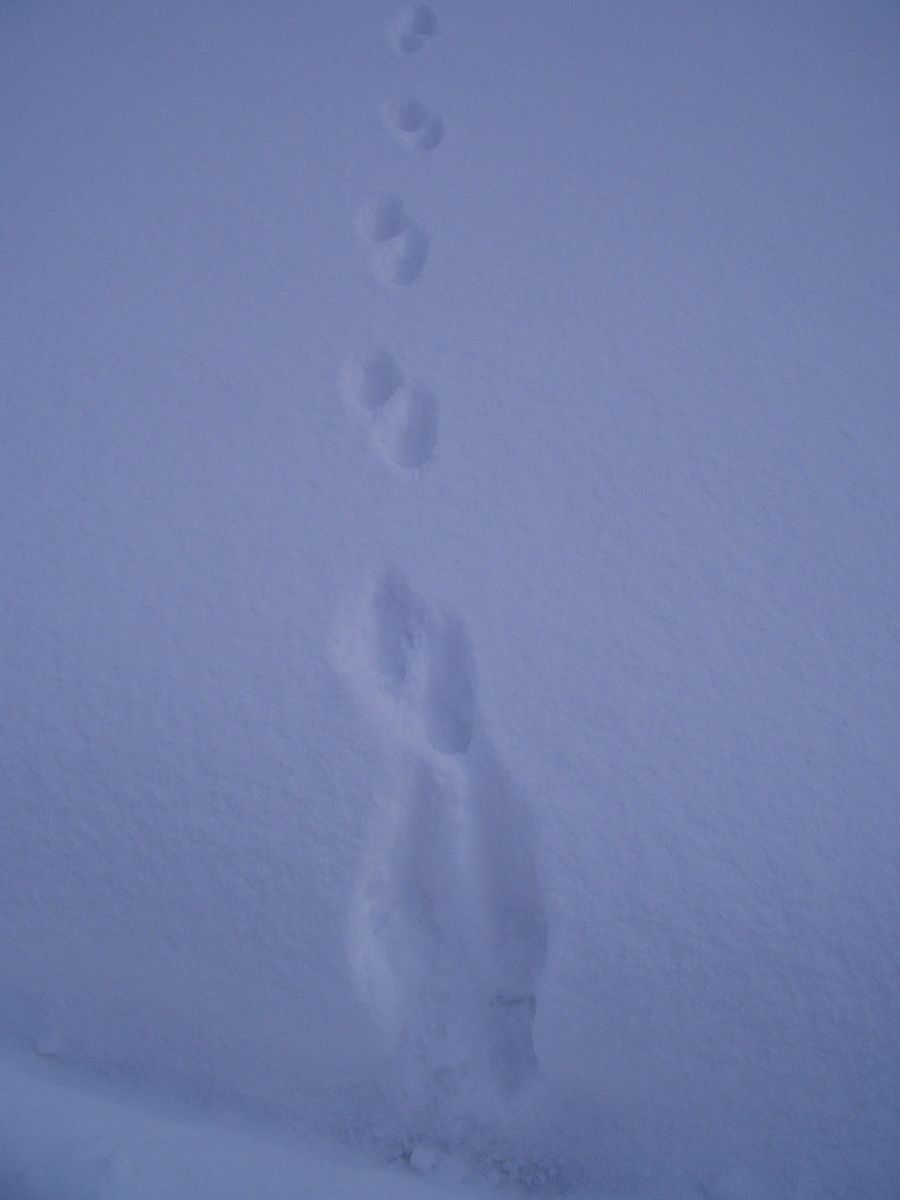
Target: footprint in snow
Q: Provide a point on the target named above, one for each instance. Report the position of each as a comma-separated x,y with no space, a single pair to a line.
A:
448,932
398,248
412,28
415,668
405,430
403,414
370,380
413,125
381,219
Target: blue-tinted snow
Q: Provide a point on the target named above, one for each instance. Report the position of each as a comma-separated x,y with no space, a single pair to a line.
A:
631,446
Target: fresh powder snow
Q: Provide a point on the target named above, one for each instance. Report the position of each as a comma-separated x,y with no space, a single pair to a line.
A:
449,592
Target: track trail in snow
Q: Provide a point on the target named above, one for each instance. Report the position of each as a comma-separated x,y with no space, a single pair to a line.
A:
448,932
401,413
412,29
412,124
396,245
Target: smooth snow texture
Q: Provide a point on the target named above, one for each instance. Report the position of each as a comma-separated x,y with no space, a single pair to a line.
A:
575,829
61,1142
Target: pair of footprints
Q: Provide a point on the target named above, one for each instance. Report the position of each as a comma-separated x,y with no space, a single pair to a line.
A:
398,247
409,120
448,931
415,667
413,28
402,414
412,124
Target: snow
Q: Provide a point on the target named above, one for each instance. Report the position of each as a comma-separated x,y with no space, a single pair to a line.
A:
448,655
60,1140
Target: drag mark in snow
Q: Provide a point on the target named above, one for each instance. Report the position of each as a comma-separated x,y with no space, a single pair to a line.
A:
412,28
402,414
448,928
413,125
398,248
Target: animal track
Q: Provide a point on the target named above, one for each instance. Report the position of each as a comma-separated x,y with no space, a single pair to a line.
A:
371,379
398,249
381,219
413,125
513,922
415,668
448,931
403,414
405,430
448,934
412,28
401,260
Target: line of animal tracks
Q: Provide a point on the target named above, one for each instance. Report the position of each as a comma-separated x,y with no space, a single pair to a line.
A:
448,931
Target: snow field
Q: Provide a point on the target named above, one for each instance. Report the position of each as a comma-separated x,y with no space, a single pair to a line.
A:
563,850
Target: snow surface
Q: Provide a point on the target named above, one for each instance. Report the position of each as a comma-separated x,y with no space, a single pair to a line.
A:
57,1139
448,658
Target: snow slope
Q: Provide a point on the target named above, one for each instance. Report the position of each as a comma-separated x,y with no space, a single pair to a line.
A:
448,525
60,1140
